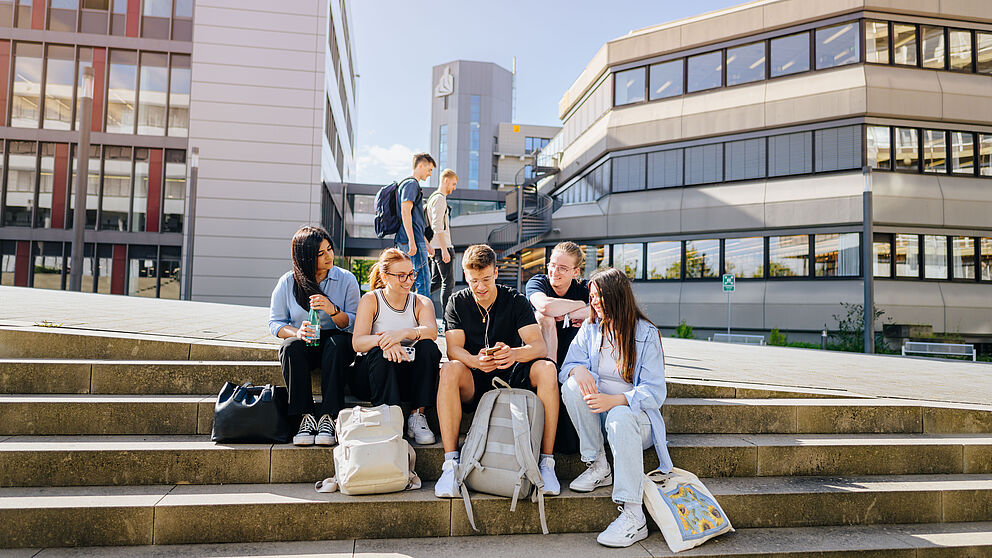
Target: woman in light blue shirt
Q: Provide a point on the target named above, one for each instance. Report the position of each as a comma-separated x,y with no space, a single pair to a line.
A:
613,380
315,282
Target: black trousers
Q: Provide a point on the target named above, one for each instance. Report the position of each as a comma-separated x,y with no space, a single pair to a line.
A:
380,381
334,355
443,276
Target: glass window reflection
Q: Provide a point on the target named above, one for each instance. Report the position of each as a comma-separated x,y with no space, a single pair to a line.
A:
904,43
790,54
963,257
628,258
788,256
962,153
907,149
702,259
746,63
24,108
837,45
666,79
983,52
934,256
665,260
933,46
58,87
121,91
877,42
879,147
705,71
934,151
175,190
179,96
907,255
629,86
22,161
744,257
115,197
960,46
152,98
837,255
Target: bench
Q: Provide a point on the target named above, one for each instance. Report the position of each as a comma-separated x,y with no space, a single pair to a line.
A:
942,349
739,338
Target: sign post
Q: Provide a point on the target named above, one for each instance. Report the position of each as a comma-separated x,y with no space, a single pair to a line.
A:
728,287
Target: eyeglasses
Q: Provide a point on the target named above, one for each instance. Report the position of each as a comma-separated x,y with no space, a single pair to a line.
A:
404,276
559,268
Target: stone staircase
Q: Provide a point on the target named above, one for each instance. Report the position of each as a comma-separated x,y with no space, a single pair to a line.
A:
104,441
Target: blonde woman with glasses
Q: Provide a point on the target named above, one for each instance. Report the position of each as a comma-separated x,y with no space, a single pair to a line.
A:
396,330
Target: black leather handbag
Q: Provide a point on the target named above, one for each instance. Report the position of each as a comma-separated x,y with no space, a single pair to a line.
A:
250,413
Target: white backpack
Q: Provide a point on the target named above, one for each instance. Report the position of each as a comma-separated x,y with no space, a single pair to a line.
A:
371,457
500,449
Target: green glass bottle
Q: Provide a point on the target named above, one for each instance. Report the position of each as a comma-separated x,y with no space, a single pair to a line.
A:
314,320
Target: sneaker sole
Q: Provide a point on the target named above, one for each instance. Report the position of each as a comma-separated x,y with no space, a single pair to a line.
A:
307,441
605,482
640,536
325,442
424,442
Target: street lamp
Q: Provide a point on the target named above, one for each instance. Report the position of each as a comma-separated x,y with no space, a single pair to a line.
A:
194,167
82,181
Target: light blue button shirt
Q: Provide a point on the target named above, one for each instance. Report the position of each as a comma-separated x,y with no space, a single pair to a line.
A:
340,287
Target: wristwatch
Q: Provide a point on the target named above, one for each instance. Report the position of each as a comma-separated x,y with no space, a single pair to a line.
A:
337,311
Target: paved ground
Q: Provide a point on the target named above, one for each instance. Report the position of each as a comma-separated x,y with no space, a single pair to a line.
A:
888,376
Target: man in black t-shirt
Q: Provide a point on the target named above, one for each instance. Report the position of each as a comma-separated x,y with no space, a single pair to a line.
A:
560,299
490,331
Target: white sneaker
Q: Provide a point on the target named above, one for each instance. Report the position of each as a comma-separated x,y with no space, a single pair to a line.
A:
325,432
416,428
624,531
551,485
596,474
307,432
446,486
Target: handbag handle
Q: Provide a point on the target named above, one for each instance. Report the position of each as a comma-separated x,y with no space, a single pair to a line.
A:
500,383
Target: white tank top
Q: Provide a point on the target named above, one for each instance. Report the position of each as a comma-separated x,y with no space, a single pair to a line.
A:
610,381
388,318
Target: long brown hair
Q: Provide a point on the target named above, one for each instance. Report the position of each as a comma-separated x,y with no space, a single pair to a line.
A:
387,258
305,245
622,314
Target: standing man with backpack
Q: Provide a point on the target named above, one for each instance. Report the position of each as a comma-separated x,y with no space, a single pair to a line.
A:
438,216
413,222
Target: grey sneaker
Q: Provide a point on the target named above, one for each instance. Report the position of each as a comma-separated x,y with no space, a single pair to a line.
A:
417,429
325,432
597,474
624,531
307,432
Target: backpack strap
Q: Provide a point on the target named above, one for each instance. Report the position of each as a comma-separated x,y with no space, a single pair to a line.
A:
472,450
525,455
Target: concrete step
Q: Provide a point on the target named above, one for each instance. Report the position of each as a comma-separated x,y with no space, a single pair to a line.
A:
148,460
193,377
49,343
177,514
57,414
898,541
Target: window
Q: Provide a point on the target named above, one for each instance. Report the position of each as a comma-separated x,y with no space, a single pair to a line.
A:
746,63
704,164
629,259
904,43
744,257
475,117
705,71
702,259
27,85
532,144
790,154
837,255
94,16
907,149
934,151
590,187
985,249
121,91
142,274
882,256
934,257
745,159
877,42
962,153
92,187
985,154
179,96
62,15
629,86
932,39
46,183
442,148
907,255
666,79
963,258
49,262
118,17
22,15
155,19
6,19
983,52
837,45
85,60
837,149
790,54
182,23
175,190
788,256
169,272
665,260
141,190
879,147
664,168
58,87
116,188
628,173
960,43
154,89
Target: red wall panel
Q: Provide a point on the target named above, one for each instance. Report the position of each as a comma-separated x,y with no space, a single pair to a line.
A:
99,81
22,263
4,74
119,271
59,183
38,10
154,207
133,17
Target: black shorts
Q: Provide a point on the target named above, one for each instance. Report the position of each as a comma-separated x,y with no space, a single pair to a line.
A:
518,376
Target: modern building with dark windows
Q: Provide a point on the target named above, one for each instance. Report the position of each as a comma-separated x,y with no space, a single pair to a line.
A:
741,142
266,96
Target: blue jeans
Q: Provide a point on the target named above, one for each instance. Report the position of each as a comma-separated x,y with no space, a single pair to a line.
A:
421,264
629,434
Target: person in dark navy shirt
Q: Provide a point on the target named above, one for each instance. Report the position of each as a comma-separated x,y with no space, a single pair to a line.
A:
560,299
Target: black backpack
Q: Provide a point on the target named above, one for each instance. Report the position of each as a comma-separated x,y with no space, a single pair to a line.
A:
387,217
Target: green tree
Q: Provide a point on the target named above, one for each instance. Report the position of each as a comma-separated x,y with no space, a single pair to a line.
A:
850,334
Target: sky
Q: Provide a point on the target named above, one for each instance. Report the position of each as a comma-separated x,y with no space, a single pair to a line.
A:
397,42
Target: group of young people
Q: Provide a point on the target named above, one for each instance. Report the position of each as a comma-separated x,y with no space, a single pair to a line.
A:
584,345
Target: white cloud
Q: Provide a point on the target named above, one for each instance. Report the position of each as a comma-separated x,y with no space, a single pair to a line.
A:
381,165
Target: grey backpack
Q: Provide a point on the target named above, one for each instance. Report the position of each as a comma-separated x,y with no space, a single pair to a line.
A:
499,453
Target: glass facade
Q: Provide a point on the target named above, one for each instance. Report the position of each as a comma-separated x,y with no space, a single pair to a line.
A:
746,63
904,44
705,71
837,255
666,79
963,257
629,87
152,105
932,41
907,149
442,147
664,260
877,42
837,45
788,256
882,256
121,91
179,87
934,256
59,81
26,94
907,251
790,55
475,116
744,257
629,258
702,259
934,151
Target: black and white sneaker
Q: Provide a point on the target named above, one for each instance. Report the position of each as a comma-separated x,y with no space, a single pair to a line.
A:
307,432
325,432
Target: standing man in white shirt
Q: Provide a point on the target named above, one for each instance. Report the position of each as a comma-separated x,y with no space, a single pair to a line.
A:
438,217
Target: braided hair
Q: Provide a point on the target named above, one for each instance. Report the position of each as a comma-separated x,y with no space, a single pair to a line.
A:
306,244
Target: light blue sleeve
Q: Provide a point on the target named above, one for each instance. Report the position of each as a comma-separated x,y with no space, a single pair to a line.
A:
278,310
352,294
649,385
578,353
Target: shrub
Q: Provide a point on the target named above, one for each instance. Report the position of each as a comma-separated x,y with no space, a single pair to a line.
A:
778,338
684,331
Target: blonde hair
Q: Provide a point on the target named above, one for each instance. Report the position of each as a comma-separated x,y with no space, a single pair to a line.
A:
446,173
387,258
572,249
479,256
